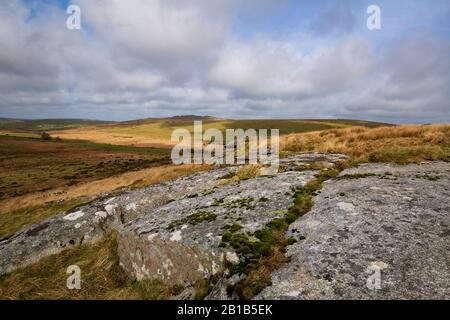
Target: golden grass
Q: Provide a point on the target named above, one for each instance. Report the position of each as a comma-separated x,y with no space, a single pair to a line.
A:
94,188
246,172
103,136
399,144
101,277
157,132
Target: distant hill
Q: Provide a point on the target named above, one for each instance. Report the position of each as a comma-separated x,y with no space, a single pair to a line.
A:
47,124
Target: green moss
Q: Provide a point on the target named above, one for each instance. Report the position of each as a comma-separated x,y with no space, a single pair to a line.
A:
244,203
291,241
428,177
226,237
356,176
217,202
193,219
246,246
200,217
192,196
260,258
251,250
232,227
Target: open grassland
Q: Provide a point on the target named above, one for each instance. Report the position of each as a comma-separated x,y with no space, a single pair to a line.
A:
399,144
22,211
33,165
133,179
157,132
41,178
46,124
19,134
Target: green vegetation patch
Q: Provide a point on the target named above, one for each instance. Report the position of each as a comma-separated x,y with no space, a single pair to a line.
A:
356,176
243,203
353,176
217,202
116,148
428,177
193,219
232,227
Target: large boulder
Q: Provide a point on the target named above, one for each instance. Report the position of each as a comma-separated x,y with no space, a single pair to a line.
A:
180,241
379,231
169,231
90,222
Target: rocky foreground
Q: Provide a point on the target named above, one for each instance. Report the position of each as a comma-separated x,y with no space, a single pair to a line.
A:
376,231
378,220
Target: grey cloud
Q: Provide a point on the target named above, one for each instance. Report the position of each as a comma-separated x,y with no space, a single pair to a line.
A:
117,68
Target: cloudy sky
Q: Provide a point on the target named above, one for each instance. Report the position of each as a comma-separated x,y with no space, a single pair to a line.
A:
228,58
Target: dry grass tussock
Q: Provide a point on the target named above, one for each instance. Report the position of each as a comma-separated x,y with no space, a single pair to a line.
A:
246,172
399,144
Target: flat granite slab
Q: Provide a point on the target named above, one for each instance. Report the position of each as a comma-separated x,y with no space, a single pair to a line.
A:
380,231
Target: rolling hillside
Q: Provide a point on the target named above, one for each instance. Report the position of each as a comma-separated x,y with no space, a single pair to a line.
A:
157,132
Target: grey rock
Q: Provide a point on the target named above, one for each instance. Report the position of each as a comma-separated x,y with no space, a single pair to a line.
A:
83,224
219,291
305,160
395,225
186,294
166,245
90,222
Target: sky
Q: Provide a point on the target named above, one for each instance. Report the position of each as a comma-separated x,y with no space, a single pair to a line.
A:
235,59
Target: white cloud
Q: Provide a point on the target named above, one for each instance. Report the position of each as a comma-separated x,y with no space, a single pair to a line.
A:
268,68
159,58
